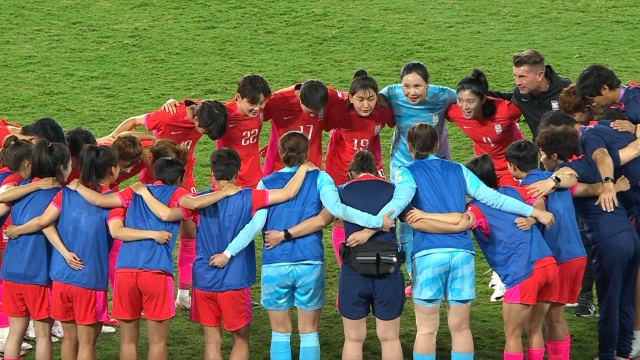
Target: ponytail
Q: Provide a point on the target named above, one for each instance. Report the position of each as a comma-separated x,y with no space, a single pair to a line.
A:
49,159
294,147
15,152
95,164
363,163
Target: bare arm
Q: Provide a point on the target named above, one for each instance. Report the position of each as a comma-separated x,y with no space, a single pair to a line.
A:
202,201
439,227
162,211
278,196
50,215
309,226
593,190
128,125
120,232
607,198
139,135
16,192
54,238
107,201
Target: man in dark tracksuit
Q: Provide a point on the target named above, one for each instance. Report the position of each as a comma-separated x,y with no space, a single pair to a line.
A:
537,87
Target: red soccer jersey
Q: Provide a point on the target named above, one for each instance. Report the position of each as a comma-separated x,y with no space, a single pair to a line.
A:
242,135
353,133
284,111
135,170
492,135
12,179
113,213
176,127
4,131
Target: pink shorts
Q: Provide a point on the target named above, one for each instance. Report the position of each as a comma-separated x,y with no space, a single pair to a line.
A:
541,286
570,274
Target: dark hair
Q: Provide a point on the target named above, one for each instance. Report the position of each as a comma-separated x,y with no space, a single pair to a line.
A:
522,154
45,128
564,141
423,138
361,82
15,152
478,85
251,86
611,114
167,148
314,94
556,118
294,147
590,81
363,163
168,170
212,117
531,58
570,102
95,164
225,163
77,138
482,166
129,148
47,159
415,67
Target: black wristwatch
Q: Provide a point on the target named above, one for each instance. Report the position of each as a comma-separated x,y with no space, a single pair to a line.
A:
556,179
607,179
287,234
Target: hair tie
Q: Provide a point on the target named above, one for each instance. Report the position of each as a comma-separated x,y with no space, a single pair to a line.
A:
48,144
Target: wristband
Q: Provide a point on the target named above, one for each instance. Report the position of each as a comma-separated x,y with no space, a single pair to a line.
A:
287,234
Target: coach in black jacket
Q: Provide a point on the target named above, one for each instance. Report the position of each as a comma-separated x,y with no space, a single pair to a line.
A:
537,87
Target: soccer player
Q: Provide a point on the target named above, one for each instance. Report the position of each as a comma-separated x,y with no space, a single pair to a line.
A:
185,127
447,258
563,239
43,128
293,271
303,107
519,254
616,248
492,124
414,101
537,87
79,297
244,125
600,87
76,139
357,125
26,287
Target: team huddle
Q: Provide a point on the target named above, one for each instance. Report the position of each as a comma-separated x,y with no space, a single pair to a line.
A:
541,212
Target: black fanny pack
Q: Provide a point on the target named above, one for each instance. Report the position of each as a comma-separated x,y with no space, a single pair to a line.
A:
373,258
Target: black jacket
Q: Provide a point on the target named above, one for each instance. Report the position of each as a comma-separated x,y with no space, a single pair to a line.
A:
534,107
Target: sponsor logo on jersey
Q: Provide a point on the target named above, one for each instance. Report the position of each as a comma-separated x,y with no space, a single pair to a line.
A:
554,105
435,118
376,131
498,129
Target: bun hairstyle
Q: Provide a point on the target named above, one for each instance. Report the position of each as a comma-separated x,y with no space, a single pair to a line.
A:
294,147
363,163
96,163
362,82
478,85
15,152
49,159
423,138
167,148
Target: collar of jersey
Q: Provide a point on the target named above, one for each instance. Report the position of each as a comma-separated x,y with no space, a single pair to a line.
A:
290,169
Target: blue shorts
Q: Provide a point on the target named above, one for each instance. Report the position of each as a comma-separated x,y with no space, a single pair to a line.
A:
287,285
451,275
357,294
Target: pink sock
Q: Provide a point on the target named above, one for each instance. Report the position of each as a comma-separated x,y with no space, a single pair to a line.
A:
11,358
113,256
556,349
513,356
186,256
337,236
4,319
535,354
568,347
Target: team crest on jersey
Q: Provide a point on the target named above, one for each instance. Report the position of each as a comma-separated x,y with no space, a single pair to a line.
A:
376,131
554,105
261,117
435,118
321,115
498,129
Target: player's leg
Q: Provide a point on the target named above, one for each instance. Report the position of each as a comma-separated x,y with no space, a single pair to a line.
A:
337,238
309,297
236,311
355,332
113,257
459,292
206,311
127,306
240,337
157,335
535,340
212,342
355,297
186,257
387,306
514,316
159,308
388,332
626,315
129,337
17,329
427,324
69,347
44,346
87,338
405,235
276,287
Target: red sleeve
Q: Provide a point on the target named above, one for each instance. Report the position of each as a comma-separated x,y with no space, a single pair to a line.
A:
12,179
259,200
388,118
125,196
528,198
117,214
514,112
175,200
57,200
336,116
573,189
155,120
480,222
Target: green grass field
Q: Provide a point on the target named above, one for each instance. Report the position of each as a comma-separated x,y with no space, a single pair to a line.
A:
97,63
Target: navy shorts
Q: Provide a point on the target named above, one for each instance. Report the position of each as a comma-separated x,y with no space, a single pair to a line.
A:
359,294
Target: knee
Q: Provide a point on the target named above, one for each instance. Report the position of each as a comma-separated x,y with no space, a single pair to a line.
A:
355,336
387,336
458,324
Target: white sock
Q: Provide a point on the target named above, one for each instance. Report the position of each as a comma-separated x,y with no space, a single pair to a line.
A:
183,293
30,327
635,344
4,333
